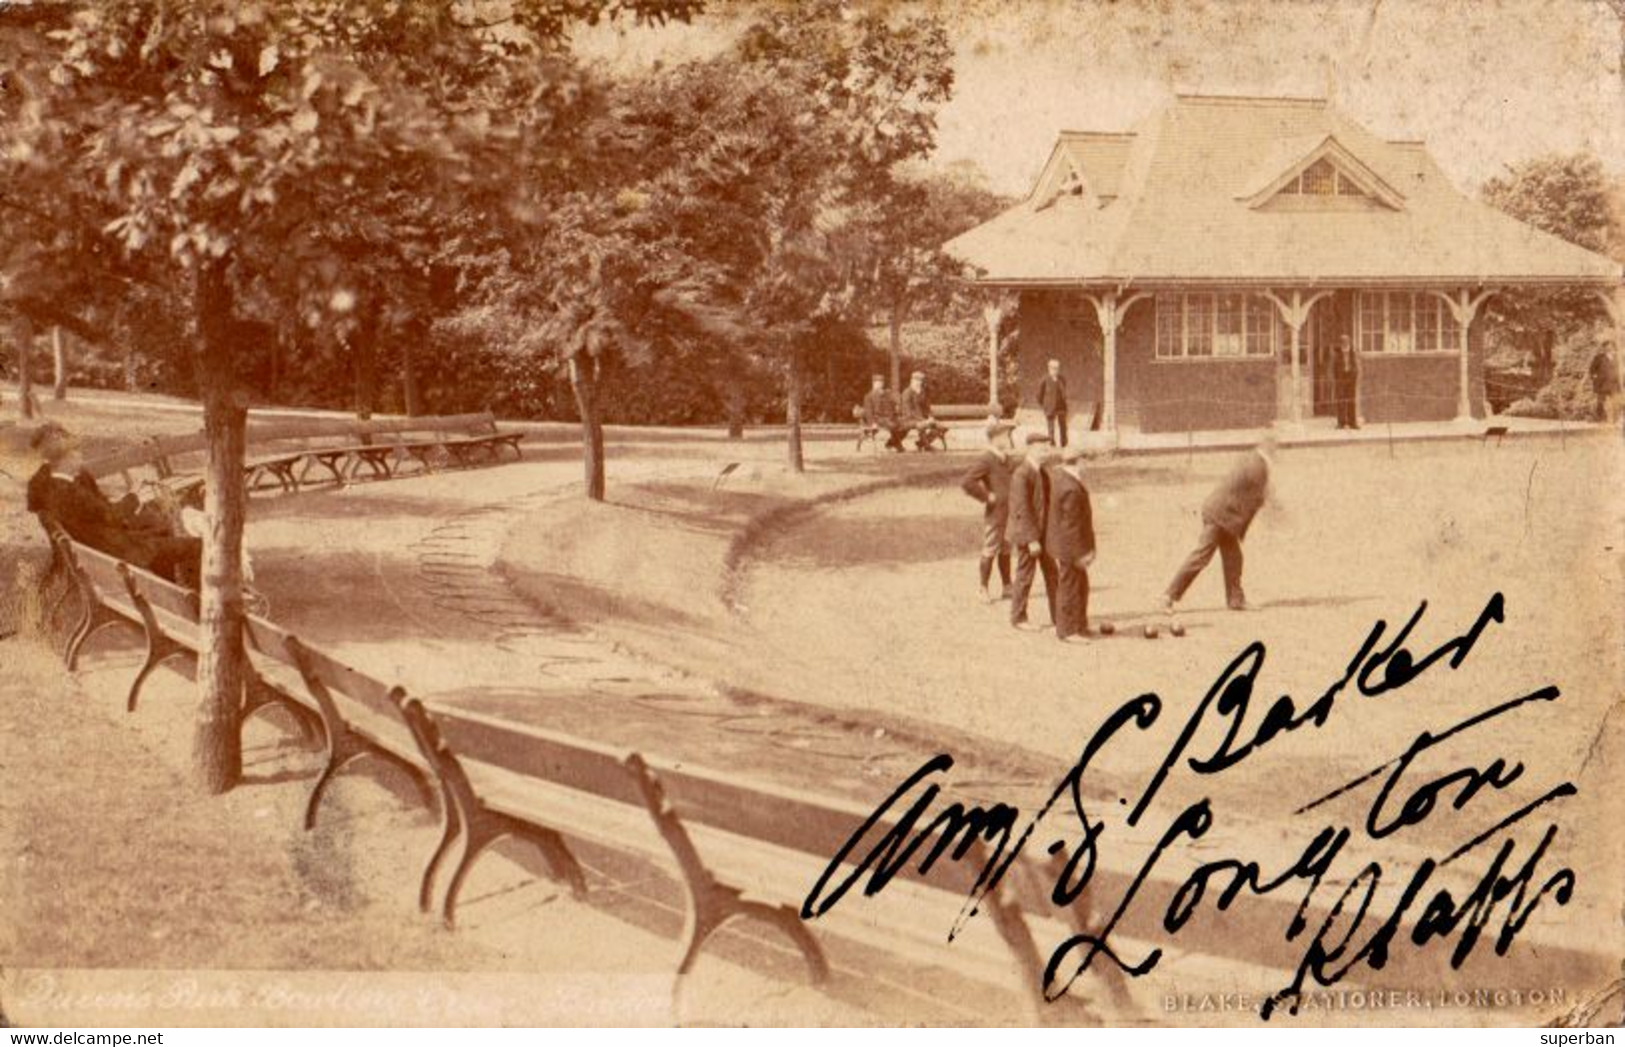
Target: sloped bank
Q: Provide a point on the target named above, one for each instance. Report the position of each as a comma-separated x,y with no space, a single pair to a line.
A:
658,569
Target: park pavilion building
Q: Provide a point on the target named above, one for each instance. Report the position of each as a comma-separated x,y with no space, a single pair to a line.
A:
1195,273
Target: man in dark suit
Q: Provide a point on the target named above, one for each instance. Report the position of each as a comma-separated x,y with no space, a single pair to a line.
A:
988,481
66,492
1604,383
916,412
1226,515
1346,383
1029,507
1052,398
1069,540
880,411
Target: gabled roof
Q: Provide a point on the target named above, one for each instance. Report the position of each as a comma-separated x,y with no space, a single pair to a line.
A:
1096,158
1290,157
1189,196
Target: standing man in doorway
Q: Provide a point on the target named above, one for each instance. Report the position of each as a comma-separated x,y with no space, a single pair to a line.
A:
1052,398
1346,383
1029,509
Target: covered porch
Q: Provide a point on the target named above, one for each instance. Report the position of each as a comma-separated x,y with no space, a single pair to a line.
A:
1175,357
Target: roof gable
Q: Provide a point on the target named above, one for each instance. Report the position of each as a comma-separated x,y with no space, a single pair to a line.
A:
1083,165
1316,165
1061,178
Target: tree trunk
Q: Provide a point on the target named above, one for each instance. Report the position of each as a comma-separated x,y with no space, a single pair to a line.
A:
273,380
129,369
584,383
734,404
894,345
409,378
792,409
365,347
24,332
59,364
216,742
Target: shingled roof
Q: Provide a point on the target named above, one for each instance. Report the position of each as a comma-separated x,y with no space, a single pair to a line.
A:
1194,195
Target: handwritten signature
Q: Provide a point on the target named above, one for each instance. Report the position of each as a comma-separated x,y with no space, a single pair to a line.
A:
1354,929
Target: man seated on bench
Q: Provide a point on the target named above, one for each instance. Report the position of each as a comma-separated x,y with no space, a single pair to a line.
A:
918,417
880,413
65,491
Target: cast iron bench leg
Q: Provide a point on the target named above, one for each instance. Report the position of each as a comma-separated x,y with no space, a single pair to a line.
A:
259,695
453,829
712,904
347,749
160,649
486,828
97,618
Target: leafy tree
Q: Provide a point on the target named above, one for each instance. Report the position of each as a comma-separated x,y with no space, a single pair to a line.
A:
874,81
209,139
907,222
1567,196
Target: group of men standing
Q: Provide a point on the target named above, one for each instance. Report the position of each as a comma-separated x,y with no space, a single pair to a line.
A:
1037,511
1036,507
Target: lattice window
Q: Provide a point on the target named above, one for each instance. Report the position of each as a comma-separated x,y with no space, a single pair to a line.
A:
1319,179
1405,322
1227,323
1323,178
1262,318
1203,325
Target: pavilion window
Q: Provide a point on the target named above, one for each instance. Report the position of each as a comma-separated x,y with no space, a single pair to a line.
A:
1427,323
1346,187
1198,325
1449,330
1319,179
1170,325
1405,322
1204,325
1262,320
1227,323
1322,178
1370,322
1400,327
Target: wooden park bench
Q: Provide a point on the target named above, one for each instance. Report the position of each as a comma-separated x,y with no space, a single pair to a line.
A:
464,439
284,454
870,430
114,592
722,832
358,715
966,412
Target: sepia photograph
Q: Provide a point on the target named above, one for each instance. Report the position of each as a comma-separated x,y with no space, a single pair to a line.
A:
865,514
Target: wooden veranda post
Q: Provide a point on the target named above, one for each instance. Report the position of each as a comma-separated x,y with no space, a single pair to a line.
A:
1463,305
993,313
1109,313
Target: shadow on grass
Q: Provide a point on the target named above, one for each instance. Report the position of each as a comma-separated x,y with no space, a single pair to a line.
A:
577,602
829,542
